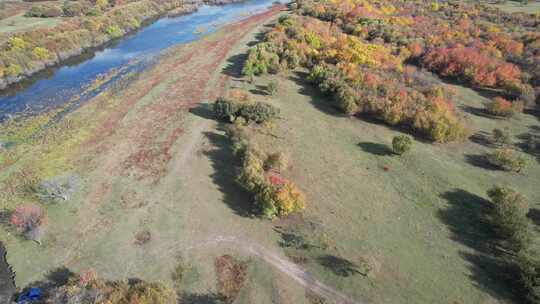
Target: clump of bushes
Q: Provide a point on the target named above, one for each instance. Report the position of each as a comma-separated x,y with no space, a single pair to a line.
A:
260,174
113,31
504,108
401,144
90,289
44,11
510,216
507,159
261,59
28,220
272,87
74,9
229,110
501,137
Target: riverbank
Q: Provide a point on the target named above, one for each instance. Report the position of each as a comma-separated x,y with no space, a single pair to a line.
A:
132,135
25,54
7,284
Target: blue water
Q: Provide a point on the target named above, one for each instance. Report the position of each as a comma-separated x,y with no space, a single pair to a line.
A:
68,83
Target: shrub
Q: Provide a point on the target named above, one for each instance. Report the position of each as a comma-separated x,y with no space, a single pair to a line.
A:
274,195
507,159
501,137
13,70
41,53
102,4
58,189
280,198
261,60
143,237
258,112
510,216
230,110
44,11
90,289
251,175
74,9
225,109
28,220
113,31
231,275
272,88
503,108
16,43
401,144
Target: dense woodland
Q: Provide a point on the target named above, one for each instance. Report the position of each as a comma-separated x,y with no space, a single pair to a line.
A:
368,56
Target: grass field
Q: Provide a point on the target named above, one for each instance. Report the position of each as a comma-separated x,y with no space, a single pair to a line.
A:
516,7
419,226
377,227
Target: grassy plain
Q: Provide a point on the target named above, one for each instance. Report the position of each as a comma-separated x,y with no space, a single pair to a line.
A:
378,227
411,233
515,7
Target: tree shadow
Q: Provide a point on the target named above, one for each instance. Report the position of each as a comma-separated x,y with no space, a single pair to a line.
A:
5,215
260,90
534,216
203,110
478,112
318,100
339,266
467,217
54,278
224,164
290,239
195,298
481,161
234,65
375,148
524,145
493,275
482,138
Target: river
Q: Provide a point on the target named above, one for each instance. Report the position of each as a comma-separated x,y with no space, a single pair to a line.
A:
80,78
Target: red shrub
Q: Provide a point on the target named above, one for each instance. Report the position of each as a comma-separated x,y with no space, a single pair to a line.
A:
27,219
502,107
471,65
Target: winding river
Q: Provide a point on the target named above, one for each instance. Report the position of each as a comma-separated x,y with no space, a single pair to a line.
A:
83,77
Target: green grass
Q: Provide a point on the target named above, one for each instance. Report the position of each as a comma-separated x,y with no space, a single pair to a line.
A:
418,222
516,7
20,23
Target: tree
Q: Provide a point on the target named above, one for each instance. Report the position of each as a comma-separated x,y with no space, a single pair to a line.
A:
401,144
510,215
